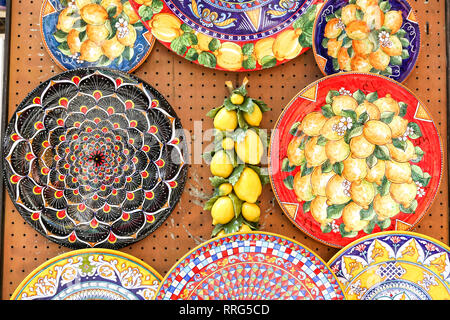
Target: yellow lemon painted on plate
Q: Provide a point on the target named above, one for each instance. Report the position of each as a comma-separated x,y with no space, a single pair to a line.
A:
352,218
398,172
357,30
296,156
90,51
229,56
370,108
226,120
263,48
222,210
112,48
81,3
251,149
97,33
343,102
364,4
344,59
319,181
221,164
318,210
394,48
113,3
360,147
165,27
385,207
129,11
354,169
286,45
312,123
130,38
328,130
333,46
403,193
393,21
315,154
94,14
362,193
203,41
251,212
376,173
337,151
302,187
66,20
374,17
333,29
336,190
400,155
73,41
248,187
377,132
362,47
398,126
348,13
387,104
379,59
360,64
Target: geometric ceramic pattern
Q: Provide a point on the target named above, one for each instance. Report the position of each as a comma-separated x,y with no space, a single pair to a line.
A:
256,266
90,274
340,173
87,33
390,45
94,158
232,35
394,266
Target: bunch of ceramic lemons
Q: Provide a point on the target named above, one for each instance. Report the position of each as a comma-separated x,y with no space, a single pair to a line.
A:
100,31
366,36
238,148
211,52
356,162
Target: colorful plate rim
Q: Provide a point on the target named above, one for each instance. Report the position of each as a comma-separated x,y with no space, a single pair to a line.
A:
90,65
256,233
285,109
72,253
402,78
183,174
411,234
241,43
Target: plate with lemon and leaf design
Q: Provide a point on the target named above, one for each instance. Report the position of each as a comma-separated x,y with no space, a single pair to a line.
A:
377,36
232,35
94,33
354,154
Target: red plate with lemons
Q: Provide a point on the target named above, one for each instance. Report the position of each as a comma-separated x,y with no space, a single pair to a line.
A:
354,154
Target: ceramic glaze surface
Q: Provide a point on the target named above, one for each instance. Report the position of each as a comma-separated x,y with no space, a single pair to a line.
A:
94,34
255,266
354,154
232,35
90,274
394,266
94,158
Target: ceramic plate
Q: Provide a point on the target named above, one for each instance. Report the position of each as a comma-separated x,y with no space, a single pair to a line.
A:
381,37
394,266
354,154
235,35
94,158
88,33
90,274
253,266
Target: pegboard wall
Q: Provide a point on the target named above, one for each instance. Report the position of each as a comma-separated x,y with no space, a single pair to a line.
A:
192,91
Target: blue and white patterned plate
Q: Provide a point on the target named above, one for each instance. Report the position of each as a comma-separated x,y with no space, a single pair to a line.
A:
94,33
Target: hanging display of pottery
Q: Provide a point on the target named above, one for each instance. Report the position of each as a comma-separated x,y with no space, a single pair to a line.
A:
232,35
90,274
94,158
354,154
85,33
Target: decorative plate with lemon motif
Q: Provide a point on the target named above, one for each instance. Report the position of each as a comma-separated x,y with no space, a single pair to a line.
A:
94,158
374,36
394,266
94,33
90,274
234,35
354,154
250,266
